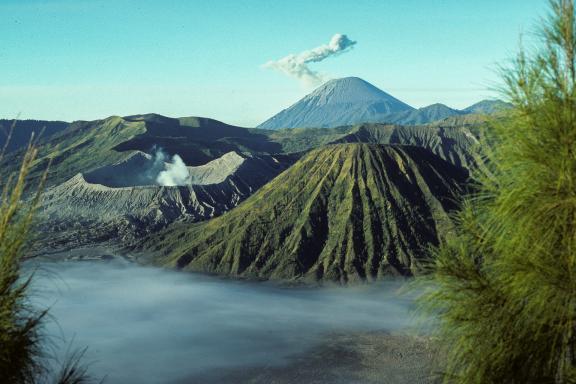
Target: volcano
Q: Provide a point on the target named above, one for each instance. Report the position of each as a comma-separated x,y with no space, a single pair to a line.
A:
338,102
342,213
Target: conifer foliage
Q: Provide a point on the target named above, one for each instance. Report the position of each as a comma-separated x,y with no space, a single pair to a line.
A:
24,352
504,288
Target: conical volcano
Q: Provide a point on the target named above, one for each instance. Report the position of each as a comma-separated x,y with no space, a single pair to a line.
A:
338,102
342,213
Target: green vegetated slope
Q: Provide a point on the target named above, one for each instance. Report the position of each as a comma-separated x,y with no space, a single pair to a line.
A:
86,145
81,146
342,213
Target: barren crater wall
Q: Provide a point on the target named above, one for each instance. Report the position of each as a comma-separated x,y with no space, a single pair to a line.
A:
123,199
141,169
216,171
138,170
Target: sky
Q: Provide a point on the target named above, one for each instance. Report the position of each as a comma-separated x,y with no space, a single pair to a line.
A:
89,59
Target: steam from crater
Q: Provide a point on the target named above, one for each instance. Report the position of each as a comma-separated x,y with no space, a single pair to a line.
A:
175,174
166,171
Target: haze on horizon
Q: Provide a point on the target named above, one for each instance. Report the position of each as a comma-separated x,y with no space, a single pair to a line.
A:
79,59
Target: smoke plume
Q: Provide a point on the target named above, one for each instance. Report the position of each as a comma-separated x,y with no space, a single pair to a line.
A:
175,173
296,65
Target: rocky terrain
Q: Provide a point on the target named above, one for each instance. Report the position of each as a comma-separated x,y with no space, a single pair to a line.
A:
123,200
457,145
343,213
455,139
356,357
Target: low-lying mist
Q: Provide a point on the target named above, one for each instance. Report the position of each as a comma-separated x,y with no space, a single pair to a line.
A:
145,325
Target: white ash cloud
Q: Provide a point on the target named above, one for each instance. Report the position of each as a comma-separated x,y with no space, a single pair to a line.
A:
166,171
175,173
296,65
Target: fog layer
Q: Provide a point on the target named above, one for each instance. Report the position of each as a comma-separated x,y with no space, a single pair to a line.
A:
145,325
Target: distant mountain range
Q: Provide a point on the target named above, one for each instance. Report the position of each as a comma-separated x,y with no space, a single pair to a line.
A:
351,100
84,146
487,107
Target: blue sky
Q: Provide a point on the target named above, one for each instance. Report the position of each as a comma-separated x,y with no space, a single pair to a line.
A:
88,59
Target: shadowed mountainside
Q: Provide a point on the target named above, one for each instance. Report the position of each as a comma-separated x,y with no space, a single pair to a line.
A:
24,129
196,139
456,145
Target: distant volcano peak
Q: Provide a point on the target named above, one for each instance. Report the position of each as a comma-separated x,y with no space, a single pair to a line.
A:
353,90
344,101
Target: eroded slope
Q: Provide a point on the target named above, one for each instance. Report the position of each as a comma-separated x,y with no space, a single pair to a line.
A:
342,213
